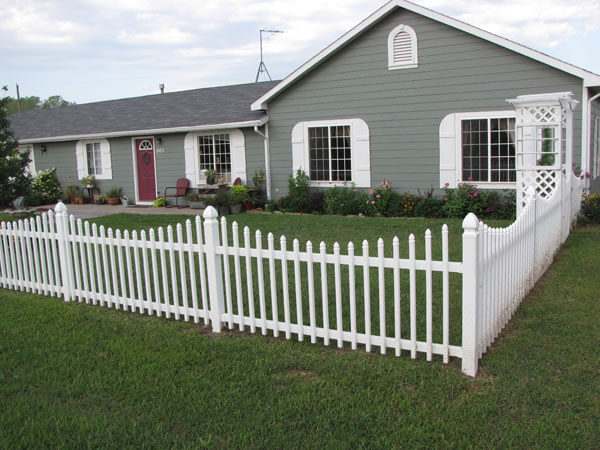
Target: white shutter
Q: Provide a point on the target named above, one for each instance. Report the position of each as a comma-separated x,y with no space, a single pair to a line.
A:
449,152
361,154
299,153
106,161
81,159
191,159
238,155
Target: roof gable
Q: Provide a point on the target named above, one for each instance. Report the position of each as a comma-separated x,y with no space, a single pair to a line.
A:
589,78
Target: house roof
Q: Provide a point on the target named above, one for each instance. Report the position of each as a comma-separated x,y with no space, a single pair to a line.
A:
589,78
196,109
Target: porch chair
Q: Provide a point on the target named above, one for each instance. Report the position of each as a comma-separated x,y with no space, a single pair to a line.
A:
183,184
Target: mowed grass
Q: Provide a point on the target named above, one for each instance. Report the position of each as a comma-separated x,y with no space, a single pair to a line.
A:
75,375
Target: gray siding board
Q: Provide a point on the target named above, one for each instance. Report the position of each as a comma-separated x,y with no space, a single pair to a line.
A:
457,73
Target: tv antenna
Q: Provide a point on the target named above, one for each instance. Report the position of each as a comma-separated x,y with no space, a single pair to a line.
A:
262,67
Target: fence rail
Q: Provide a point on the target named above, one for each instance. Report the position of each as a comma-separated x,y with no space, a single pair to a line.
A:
380,302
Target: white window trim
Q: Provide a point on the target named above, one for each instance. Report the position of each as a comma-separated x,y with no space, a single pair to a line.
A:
237,146
451,149
414,62
82,163
360,151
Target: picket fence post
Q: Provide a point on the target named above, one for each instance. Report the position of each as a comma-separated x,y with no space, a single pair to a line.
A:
470,322
213,267
66,267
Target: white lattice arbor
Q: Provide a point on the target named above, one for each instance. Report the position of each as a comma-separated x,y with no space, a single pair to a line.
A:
544,139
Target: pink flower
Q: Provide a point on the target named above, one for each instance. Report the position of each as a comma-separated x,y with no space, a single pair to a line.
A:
367,202
370,191
378,214
354,190
447,184
378,196
372,202
379,185
475,194
359,214
446,199
391,182
338,180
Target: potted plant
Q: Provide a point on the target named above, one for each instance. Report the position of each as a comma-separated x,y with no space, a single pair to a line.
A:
238,194
89,181
211,176
113,195
196,200
221,202
73,193
100,199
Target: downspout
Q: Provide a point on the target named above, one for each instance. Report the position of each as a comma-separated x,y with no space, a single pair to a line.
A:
588,150
265,137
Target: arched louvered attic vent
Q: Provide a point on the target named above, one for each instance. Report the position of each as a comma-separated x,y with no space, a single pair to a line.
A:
402,48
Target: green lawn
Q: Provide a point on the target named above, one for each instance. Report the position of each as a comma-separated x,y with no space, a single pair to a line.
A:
75,375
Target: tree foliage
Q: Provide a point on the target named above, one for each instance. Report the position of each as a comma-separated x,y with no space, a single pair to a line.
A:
13,179
34,102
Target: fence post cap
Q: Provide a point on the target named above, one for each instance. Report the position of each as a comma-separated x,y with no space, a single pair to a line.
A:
471,221
210,212
60,207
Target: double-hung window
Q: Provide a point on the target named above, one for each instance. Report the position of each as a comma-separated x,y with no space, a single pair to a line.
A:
330,153
215,154
488,150
478,148
94,158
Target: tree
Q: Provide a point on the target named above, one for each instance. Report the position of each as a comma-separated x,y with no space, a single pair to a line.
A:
13,179
55,101
12,106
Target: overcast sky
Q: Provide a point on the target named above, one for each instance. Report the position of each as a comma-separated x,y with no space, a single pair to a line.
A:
89,50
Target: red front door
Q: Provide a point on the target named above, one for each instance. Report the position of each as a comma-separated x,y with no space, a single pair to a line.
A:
144,149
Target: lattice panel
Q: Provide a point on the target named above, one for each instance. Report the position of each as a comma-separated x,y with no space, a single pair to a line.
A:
543,181
541,114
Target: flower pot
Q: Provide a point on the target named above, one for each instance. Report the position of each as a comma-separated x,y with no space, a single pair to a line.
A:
211,180
236,209
113,200
99,202
197,204
89,186
223,210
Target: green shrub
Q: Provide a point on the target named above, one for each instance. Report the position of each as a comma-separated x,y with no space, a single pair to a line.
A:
238,194
158,202
298,193
341,200
430,207
114,192
590,209
401,205
500,206
44,189
463,200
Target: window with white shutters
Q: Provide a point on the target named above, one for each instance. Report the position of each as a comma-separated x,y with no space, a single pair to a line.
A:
402,48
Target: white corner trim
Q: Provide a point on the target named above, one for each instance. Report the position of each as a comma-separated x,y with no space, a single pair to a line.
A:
589,78
135,133
392,65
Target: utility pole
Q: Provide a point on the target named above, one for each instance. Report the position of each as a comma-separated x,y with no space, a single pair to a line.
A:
18,99
262,67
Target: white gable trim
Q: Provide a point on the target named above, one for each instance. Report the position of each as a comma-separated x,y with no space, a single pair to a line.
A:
589,78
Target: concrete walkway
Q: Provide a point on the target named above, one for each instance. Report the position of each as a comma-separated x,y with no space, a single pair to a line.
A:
89,211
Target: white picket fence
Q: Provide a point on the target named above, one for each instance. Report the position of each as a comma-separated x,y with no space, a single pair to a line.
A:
372,300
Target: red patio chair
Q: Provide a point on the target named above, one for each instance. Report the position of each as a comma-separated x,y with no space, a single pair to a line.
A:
183,184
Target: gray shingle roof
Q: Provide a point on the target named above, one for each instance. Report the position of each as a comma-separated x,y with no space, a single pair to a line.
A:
193,108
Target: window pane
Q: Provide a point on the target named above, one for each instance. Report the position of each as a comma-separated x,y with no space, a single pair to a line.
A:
89,148
318,144
97,159
475,150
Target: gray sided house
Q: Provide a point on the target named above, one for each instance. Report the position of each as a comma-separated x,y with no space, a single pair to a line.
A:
144,144
408,95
